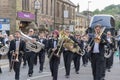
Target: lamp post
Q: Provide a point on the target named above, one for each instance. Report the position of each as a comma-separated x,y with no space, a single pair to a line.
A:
36,6
88,12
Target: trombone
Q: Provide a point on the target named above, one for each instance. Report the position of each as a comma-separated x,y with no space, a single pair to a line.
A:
95,39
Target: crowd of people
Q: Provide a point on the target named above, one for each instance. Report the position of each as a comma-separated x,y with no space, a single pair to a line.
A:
73,47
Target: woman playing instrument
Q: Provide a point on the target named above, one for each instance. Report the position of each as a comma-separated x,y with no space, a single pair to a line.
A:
54,54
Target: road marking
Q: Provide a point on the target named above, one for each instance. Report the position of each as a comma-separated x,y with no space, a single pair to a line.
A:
39,76
45,74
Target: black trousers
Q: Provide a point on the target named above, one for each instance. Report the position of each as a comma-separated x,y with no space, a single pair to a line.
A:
98,66
68,56
35,59
41,59
76,60
85,59
16,67
109,62
54,65
30,59
24,59
0,67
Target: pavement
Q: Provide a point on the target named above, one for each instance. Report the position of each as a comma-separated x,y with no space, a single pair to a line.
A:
85,72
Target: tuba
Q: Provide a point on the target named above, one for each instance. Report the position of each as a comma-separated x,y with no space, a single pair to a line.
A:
4,50
108,52
35,47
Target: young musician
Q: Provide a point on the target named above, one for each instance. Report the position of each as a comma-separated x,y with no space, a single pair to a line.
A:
1,45
77,56
30,55
98,40
111,46
42,39
68,55
54,59
11,37
17,46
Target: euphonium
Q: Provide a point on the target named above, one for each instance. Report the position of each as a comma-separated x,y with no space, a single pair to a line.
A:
108,52
35,47
4,50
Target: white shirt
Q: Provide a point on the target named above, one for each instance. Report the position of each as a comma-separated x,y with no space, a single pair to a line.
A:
96,48
55,43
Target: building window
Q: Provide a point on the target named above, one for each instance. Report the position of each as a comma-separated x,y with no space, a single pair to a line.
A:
25,5
58,9
46,7
42,6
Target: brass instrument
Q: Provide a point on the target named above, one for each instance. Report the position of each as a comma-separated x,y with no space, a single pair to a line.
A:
15,56
57,49
108,52
69,44
4,50
35,47
98,37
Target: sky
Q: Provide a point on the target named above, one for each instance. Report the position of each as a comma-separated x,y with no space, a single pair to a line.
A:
94,4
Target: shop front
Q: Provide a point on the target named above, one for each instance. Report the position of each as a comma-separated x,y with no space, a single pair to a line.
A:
25,20
5,25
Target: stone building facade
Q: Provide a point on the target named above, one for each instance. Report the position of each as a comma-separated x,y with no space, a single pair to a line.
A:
7,15
21,14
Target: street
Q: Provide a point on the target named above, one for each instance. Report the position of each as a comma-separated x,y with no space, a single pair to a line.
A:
85,72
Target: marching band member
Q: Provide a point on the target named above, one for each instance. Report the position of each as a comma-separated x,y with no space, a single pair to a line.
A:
10,38
16,46
30,55
42,39
67,55
97,53
111,45
85,57
54,60
77,56
1,45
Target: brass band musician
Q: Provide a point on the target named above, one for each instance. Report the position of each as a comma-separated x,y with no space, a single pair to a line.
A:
111,46
98,40
17,46
54,54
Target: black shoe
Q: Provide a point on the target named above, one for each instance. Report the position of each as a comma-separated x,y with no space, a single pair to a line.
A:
77,72
67,76
40,71
0,71
30,75
16,79
102,78
109,70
